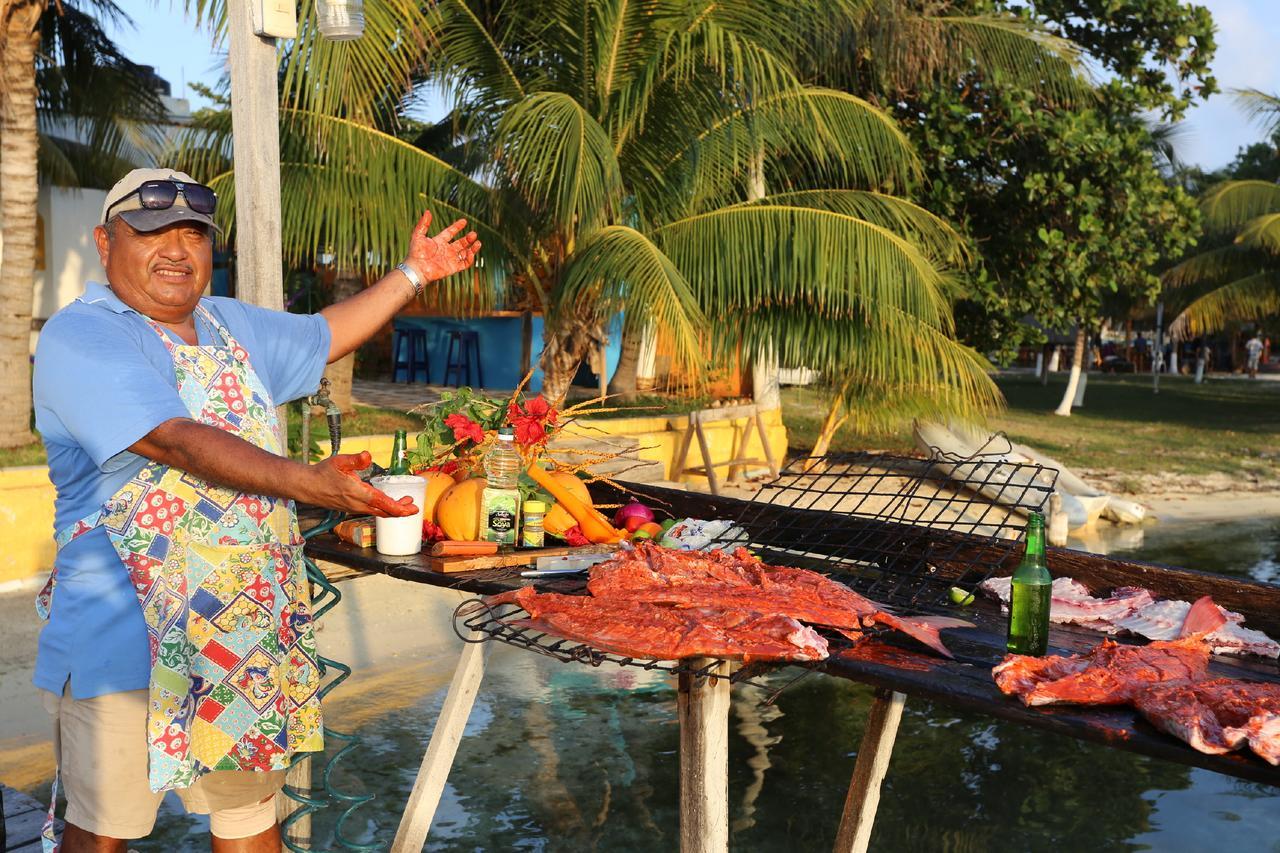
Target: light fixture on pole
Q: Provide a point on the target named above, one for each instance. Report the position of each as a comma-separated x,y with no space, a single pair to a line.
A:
340,20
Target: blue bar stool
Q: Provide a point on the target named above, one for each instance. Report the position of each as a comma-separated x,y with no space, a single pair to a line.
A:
463,343
409,353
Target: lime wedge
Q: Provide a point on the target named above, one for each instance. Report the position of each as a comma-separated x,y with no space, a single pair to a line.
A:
962,597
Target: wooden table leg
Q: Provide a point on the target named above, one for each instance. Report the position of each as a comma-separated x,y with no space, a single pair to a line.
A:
427,788
873,762
704,761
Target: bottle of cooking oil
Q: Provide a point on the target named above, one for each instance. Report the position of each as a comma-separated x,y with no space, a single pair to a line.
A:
1030,595
500,503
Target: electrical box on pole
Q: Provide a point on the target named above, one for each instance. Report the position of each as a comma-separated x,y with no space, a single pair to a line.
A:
275,18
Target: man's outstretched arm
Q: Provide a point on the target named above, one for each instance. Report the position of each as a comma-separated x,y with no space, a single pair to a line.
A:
226,460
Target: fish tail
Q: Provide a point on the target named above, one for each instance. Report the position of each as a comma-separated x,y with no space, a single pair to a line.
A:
926,629
1204,617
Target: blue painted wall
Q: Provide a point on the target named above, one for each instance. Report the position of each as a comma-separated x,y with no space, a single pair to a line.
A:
499,347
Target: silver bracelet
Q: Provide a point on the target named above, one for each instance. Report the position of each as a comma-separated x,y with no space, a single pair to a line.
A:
414,279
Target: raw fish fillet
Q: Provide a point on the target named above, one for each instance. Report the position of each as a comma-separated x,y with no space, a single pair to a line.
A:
1071,602
741,581
1160,621
1218,716
1135,611
642,630
1112,674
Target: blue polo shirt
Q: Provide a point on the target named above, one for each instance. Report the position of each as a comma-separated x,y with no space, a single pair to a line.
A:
103,380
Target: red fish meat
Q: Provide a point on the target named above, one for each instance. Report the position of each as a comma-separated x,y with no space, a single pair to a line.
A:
648,631
1112,674
1218,716
742,581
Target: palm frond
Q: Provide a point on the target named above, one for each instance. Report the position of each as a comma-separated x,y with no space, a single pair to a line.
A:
932,234
362,79
1252,297
619,269
1219,265
1261,107
561,160
836,138
913,51
334,201
1228,206
1262,232
469,54
810,260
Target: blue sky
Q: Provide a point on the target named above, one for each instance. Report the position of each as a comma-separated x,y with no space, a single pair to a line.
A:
1248,57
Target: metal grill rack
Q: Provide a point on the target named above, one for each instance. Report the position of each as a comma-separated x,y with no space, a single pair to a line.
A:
476,621
883,524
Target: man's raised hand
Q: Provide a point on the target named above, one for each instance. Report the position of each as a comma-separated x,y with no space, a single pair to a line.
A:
438,257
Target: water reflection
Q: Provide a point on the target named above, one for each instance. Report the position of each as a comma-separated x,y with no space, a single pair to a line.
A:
567,758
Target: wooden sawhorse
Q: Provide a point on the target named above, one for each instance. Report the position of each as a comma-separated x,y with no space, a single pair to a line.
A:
703,708
708,467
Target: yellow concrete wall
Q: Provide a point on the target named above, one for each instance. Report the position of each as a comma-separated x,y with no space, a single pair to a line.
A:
26,495
26,523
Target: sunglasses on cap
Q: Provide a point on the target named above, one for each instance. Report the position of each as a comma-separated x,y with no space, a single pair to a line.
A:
161,195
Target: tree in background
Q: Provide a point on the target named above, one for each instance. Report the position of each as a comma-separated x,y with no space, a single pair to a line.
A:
660,158
75,112
1238,277
1065,204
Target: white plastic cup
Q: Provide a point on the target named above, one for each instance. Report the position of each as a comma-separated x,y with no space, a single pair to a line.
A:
400,537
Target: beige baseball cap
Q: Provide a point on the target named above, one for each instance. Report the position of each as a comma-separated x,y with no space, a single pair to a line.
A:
123,201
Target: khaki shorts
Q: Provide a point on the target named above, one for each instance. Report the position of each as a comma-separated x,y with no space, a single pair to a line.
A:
100,745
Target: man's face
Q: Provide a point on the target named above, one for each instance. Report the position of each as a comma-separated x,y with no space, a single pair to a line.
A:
159,273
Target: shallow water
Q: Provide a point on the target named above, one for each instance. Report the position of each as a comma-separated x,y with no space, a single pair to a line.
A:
565,757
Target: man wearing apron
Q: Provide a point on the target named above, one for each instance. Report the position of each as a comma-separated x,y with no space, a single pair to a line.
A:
179,652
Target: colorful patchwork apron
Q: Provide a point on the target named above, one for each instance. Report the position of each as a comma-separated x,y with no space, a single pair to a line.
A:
222,584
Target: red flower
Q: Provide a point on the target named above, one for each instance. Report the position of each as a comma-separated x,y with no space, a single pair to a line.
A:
531,422
464,428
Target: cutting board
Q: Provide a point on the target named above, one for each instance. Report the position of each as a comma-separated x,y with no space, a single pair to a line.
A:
520,557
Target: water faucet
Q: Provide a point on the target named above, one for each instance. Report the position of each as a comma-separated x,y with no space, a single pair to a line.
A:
332,413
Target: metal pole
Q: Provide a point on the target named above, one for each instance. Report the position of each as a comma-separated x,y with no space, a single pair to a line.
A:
1157,358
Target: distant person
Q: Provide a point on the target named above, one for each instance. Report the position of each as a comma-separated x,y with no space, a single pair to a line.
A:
1254,350
1266,349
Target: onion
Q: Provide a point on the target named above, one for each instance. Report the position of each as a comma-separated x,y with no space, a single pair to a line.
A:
635,509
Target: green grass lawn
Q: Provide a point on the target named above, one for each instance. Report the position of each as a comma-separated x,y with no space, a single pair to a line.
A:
1222,426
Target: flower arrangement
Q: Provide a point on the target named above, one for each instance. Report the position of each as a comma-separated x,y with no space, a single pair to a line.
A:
459,429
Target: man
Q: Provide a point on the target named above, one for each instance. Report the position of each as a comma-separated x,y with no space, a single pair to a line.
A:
1253,349
179,652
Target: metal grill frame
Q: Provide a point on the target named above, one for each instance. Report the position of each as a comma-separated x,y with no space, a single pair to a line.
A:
892,558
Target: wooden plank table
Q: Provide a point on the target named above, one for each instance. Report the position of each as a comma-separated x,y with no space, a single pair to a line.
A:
891,662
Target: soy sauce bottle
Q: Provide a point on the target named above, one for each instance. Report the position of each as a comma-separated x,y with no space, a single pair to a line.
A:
1030,595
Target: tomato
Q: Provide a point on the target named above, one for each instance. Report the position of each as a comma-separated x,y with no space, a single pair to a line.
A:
634,523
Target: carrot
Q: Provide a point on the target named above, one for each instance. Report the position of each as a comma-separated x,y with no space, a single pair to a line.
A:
455,548
594,525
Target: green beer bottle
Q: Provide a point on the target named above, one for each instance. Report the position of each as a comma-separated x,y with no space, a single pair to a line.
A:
400,454
1030,595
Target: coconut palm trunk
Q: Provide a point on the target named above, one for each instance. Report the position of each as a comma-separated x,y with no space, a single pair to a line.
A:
836,417
347,283
623,382
1077,362
18,194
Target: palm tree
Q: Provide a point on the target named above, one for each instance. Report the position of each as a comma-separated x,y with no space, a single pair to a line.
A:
75,112
1239,277
615,155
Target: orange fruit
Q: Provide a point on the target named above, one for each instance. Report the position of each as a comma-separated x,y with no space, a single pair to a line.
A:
458,510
